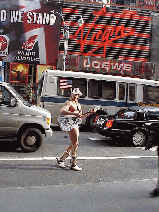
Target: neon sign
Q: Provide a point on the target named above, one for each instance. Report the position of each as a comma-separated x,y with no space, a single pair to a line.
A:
107,32
102,38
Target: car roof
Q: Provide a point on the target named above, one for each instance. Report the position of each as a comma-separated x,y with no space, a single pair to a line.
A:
144,108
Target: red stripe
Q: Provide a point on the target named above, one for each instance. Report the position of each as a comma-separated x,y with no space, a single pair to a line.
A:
69,10
123,15
116,45
133,59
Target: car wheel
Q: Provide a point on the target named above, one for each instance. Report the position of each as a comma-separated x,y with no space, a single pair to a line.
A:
91,121
31,140
139,138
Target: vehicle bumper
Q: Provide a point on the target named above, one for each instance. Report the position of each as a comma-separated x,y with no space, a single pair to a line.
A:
48,132
114,132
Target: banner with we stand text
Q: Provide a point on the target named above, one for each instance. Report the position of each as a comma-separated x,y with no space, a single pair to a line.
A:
29,31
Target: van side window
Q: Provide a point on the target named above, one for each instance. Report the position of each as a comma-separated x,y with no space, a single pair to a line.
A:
5,96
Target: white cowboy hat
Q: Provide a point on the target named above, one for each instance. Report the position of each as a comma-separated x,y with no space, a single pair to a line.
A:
76,91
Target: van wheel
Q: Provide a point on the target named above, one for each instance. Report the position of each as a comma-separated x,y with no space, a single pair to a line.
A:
31,140
139,138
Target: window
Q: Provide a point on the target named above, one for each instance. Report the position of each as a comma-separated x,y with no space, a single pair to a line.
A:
121,91
94,89
74,83
5,96
129,115
81,84
151,94
108,90
131,92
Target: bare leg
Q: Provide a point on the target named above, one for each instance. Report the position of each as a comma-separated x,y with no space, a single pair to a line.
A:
74,137
73,134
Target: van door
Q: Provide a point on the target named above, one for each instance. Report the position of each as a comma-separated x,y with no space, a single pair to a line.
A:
9,116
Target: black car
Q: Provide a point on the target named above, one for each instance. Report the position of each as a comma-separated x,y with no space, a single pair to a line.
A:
139,124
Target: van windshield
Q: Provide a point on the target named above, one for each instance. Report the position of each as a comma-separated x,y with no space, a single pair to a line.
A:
19,96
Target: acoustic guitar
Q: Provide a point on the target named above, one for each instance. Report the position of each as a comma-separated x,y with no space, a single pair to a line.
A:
68,122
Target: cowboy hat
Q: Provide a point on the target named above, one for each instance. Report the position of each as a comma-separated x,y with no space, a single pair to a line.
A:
76,91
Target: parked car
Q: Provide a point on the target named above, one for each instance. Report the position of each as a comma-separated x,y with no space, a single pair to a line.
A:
21,120
136,123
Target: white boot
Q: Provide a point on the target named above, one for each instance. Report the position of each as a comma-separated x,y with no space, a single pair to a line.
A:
61,161
73,165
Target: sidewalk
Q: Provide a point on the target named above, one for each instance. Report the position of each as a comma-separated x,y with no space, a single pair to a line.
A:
104,197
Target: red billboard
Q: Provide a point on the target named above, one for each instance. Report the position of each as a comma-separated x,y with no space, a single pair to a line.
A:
107,32
29,31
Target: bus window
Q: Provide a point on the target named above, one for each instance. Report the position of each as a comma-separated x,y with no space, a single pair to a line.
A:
81,84
131,92
72,83
121,91
151,94
108,90
94,89
64,86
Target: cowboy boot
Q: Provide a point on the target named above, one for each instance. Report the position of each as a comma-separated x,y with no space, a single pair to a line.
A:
61,161
73,164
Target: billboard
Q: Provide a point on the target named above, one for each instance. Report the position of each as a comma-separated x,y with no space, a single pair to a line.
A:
40,69
29,31
18,72
109,33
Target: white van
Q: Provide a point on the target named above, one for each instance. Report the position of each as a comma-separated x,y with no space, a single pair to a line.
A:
21,120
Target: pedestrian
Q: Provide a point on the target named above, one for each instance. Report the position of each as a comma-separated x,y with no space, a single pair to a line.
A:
72,107
148,146
155,192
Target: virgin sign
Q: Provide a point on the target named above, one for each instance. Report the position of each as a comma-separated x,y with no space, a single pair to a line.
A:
107,32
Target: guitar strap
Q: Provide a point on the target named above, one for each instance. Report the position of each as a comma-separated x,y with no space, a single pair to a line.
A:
78,107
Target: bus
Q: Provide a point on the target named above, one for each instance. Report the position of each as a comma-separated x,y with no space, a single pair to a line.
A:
109,92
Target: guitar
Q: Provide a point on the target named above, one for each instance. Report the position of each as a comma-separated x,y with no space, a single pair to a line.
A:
68,122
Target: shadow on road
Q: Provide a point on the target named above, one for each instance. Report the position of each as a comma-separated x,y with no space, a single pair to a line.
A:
9,146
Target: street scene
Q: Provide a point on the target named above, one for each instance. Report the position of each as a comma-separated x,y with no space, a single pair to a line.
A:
115,177
79,106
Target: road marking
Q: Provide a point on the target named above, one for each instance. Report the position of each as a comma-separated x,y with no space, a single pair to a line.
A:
154,148
95,139
79,158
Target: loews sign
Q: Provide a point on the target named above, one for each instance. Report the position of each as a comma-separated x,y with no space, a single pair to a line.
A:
108,66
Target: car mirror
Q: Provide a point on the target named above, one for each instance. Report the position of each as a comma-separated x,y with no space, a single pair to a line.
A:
12,102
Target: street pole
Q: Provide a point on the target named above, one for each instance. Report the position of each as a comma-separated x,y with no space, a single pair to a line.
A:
66,34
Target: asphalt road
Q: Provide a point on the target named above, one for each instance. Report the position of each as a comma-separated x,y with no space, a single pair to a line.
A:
101,163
